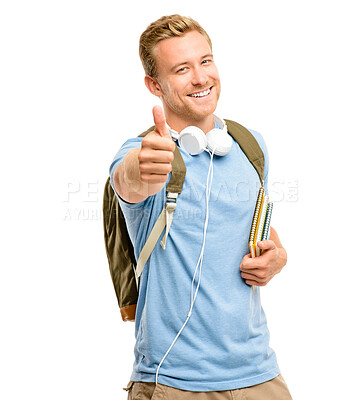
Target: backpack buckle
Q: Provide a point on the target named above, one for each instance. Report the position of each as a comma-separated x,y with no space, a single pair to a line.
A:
170,207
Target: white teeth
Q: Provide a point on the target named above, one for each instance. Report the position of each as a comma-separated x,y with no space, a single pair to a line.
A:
200,94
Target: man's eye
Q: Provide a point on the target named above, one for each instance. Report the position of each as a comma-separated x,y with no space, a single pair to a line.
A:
206,61
181,69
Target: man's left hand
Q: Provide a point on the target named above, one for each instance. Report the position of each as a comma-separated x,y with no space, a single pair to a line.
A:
258,271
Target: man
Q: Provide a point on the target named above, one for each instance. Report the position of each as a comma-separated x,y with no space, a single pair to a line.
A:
215,346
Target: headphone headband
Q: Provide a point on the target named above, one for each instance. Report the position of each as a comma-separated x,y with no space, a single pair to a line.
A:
220,122
194,141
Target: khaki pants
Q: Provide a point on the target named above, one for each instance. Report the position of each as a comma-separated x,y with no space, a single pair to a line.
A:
276,389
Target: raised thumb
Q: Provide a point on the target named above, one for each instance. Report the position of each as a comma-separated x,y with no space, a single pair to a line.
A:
160,121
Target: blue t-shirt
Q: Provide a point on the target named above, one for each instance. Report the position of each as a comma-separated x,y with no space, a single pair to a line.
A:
225,344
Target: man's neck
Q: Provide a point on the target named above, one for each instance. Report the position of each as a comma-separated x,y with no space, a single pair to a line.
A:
178,124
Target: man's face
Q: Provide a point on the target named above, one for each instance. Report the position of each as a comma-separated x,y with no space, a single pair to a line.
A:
187,76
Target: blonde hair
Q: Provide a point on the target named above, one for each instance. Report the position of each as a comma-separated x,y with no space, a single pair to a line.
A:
165,27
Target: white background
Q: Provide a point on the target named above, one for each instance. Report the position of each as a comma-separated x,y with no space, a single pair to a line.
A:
72,91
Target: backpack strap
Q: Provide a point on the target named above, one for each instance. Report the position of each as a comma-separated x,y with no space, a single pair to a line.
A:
249,146
153,238
173,189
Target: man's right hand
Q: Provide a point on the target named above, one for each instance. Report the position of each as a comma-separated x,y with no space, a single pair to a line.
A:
156,152
144,171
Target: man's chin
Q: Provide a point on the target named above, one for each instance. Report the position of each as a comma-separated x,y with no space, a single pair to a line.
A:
192,114
202,110
201,113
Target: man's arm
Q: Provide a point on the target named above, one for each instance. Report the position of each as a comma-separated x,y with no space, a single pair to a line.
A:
260,270
144,172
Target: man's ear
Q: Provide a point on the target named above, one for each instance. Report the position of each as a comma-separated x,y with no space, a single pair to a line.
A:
153,86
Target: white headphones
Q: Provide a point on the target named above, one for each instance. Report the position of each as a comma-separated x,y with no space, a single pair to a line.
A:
194,141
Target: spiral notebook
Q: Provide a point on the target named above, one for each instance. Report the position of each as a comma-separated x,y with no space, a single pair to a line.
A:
261,222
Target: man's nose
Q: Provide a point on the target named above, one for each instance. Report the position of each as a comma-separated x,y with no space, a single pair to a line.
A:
199,76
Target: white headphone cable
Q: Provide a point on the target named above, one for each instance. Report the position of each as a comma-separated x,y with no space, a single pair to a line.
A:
208,191
199,263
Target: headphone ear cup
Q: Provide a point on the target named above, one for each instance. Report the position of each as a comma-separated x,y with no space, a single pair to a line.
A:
193,140
220,141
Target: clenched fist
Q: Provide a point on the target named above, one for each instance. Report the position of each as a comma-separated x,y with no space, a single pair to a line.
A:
156,154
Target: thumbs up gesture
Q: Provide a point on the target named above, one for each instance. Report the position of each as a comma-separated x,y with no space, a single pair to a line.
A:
156,152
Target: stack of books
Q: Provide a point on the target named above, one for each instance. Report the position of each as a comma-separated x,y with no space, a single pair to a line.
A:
261,222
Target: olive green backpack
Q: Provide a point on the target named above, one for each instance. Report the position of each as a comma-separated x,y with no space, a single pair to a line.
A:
125,270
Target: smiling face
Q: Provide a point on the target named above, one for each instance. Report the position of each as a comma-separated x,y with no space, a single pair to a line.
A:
187,81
